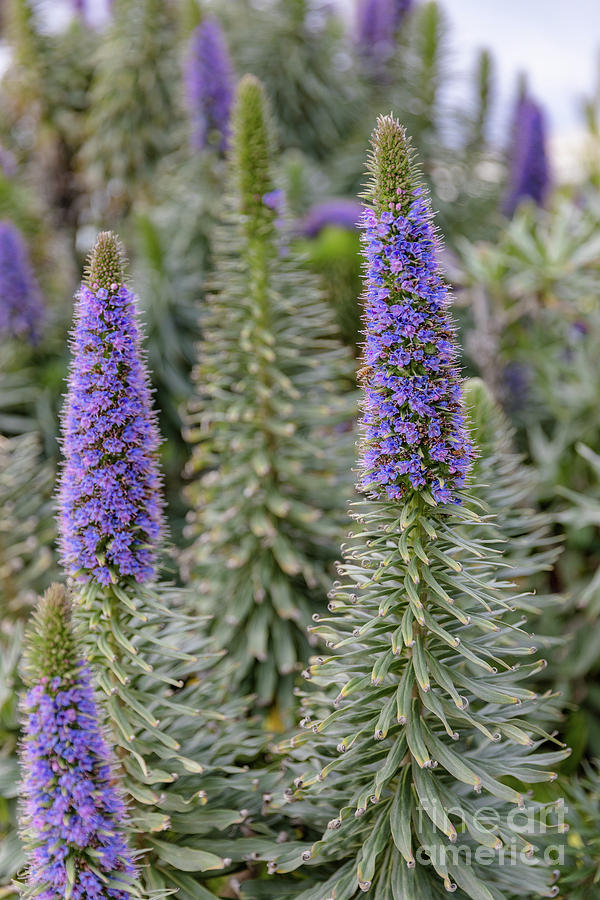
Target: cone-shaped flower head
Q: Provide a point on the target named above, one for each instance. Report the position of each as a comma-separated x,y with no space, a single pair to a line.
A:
73,819
110,503
252,154
414,429
529,174
21,305
209,85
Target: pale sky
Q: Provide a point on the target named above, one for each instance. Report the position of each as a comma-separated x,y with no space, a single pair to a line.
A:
556,41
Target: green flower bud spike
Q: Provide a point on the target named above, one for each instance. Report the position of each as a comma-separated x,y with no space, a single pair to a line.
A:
268,468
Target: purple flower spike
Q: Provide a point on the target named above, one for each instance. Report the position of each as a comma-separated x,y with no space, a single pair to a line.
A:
374,25
377,22
529,174
110,504
73,819
340,212
209,86
414,431
21,305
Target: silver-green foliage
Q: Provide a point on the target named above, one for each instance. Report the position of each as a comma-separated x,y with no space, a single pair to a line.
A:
423,713
26,522
173,259
271,427
580,878
316,103
507,485
430,717
133,110
11,851
178,739
579,662
27,565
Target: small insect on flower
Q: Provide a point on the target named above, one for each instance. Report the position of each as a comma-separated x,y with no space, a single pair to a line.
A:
110,505
73,821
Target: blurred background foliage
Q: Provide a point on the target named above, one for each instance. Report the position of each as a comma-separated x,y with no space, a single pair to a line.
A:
96,131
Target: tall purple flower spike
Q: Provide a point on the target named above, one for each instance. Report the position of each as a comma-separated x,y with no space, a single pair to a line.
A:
377,22
342,212
110,503
21,304
73,819
529,174
209,85
415,439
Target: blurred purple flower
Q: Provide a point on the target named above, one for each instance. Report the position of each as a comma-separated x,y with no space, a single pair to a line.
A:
209,85
8,163
274,199
110,503
21,304
517,386
375,27
377,22
529,174
343,213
